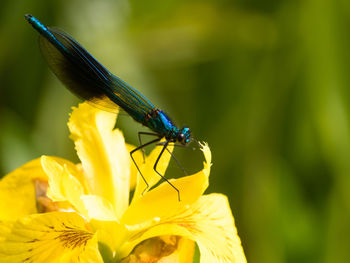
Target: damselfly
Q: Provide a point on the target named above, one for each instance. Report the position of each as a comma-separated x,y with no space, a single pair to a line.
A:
82,74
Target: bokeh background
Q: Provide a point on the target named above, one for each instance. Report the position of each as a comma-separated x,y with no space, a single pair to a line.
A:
265,83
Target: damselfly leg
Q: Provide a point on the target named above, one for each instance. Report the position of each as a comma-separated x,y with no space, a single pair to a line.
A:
155,169
132,158
164,144
140,141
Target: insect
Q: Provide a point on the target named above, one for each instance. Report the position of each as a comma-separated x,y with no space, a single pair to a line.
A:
83,75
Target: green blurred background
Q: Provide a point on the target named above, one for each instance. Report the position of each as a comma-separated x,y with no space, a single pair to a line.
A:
265,83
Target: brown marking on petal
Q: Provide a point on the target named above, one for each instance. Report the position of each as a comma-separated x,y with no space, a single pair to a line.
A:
27,259
33,240
187,221
73,238
67,227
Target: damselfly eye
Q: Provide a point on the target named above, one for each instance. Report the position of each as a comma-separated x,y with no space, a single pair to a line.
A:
180,137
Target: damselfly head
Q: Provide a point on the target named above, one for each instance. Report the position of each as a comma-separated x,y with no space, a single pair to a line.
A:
184,136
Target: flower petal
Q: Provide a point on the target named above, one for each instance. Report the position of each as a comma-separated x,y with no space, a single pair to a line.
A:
163,200
98,208
50,237
102,151
209,222
17,191
63,186
109,233
212,225
148,172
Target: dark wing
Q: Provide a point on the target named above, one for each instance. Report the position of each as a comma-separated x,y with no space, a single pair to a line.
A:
81,73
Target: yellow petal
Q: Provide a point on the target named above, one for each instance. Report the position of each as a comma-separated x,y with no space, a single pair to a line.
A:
98,208
17,191
212,225
110,233
162,201
50,237
103,153
207,156
148,172
63,186
209,222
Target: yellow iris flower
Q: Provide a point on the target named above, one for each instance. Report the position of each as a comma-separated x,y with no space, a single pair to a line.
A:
52,210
